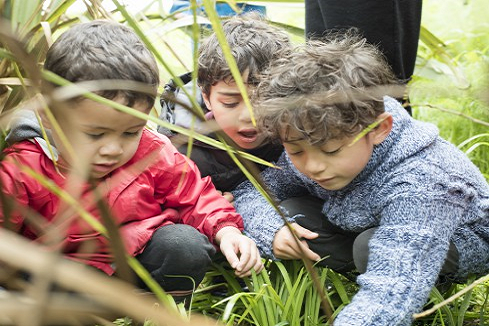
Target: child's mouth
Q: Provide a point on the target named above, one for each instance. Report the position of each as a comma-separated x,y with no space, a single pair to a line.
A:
248,136
103,168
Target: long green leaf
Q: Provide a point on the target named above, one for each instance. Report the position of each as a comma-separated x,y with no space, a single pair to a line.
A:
25,14
217,28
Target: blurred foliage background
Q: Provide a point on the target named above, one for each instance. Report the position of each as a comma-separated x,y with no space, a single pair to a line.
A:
450,88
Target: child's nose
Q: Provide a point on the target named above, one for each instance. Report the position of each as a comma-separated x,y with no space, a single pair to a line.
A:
245,115
314,165
113,148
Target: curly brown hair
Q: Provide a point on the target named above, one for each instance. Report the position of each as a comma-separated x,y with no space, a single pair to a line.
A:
325,89
253,43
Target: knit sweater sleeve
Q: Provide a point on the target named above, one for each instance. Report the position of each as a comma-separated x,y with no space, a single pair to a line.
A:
406,252
261,220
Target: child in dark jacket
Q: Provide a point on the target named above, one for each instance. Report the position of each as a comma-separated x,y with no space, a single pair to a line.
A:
253,43
420,205
169,218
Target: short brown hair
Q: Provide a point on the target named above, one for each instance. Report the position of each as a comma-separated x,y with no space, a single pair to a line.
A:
103,49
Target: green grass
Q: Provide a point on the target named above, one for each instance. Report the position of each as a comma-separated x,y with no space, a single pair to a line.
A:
283,295
454,93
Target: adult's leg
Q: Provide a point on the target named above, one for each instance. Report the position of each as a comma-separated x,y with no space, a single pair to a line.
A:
315,25
333,243
177,257
393,25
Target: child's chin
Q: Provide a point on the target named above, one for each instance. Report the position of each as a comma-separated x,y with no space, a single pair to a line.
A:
98,175
249,145
333,186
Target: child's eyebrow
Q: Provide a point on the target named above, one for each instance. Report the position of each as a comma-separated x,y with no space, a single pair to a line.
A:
293,140
140,125
229,93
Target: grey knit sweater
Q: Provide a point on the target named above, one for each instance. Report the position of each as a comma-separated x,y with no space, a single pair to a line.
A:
419,190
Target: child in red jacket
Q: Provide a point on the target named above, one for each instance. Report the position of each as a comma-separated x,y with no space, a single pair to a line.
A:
169,218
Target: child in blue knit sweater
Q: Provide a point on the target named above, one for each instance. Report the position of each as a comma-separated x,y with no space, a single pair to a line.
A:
420,206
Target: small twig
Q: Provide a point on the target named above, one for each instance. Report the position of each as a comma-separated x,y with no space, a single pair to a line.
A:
452,298
481,122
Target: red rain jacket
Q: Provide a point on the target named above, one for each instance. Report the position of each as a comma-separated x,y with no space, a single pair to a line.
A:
157,187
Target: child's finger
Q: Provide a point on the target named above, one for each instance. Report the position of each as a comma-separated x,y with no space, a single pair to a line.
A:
259,265
244,257
308,252
250,259
294,251
227,195
302,232
231,256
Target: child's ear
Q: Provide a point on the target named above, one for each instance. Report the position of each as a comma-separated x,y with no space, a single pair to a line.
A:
205,97
381,132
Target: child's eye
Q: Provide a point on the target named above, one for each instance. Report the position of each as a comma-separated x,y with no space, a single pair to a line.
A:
131,134
95,136
296,153
336,151
230,105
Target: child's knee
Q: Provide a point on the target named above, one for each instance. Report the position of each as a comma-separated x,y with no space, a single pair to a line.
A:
309,206
177,257
360,249
184,243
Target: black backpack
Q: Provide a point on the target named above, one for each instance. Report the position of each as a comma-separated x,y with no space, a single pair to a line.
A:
172,100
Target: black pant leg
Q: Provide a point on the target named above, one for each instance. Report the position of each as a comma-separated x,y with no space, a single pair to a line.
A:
177,257
393,25
315,26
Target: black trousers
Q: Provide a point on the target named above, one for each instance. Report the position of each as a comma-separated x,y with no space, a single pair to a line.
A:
393,25
177,257
333,244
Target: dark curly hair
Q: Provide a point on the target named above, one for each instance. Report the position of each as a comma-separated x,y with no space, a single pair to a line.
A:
253,43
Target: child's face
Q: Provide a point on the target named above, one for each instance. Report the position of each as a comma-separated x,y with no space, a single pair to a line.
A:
332,165
100,134
232,115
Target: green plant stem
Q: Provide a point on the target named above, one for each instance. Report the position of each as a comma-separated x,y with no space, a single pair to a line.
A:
481,122
452,298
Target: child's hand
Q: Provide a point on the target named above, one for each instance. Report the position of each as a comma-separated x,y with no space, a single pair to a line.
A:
240,251
286,247
228,196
